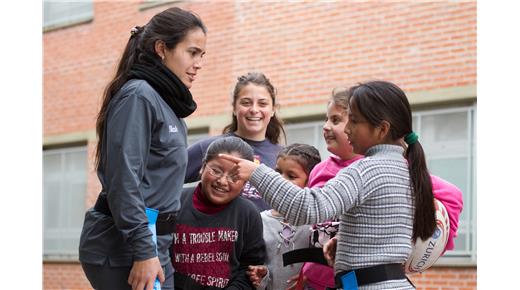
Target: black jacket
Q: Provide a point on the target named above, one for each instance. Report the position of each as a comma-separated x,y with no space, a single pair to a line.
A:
143,163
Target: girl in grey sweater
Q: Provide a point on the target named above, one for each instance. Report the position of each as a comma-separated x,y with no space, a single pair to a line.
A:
384,201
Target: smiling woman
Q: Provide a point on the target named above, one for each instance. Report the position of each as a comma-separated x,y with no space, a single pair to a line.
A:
254,120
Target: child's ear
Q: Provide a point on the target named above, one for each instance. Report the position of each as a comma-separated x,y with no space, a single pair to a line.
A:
384,129
202,169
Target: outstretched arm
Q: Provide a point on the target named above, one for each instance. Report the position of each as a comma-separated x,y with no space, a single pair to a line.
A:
243,168
302,206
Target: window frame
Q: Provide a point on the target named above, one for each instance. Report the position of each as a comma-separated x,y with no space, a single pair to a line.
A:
149,4
195,137
467,257
317,126
69,254
71,20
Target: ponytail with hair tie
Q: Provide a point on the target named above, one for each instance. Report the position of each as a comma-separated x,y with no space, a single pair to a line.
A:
136,30
411,138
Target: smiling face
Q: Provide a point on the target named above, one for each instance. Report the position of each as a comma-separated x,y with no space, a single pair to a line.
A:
334,132
185,59
253,109
292,170
218,185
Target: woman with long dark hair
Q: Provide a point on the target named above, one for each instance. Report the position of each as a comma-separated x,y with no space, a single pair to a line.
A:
141,154
254,120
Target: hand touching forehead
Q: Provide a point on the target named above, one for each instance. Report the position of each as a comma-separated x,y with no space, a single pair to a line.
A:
224,164
243,168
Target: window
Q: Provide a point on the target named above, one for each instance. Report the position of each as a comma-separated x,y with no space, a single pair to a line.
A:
308,133
64,191
448,138
194,137
147,4
58,14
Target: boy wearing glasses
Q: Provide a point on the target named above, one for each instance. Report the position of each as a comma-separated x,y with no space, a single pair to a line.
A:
218,232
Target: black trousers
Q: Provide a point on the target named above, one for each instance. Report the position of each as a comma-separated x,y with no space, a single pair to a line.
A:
116,278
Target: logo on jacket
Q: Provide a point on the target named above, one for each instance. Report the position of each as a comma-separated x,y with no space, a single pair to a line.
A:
173,129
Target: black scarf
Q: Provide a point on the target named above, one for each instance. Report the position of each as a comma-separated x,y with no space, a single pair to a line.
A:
165,82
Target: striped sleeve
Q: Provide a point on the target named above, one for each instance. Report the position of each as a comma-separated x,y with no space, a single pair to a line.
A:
301,206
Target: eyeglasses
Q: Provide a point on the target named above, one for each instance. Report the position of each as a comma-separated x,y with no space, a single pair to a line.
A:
215,172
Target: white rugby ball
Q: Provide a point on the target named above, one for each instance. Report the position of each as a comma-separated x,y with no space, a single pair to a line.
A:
425,253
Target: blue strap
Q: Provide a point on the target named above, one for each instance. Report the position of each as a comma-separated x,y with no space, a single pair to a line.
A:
349,281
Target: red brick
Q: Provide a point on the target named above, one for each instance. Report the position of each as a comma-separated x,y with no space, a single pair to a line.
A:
306,49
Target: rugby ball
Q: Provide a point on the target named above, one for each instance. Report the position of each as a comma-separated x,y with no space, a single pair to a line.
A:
425,253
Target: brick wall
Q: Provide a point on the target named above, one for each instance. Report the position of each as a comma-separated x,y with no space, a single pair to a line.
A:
70,276
306,49
438,278
64,276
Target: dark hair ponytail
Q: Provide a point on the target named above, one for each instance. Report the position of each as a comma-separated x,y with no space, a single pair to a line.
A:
381,101
424,218
171,26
